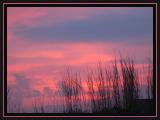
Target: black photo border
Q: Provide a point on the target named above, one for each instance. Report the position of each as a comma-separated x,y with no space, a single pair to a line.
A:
3,86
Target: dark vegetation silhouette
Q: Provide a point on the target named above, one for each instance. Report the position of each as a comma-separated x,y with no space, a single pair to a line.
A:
130,83
116,86
114,89
39,105
71,88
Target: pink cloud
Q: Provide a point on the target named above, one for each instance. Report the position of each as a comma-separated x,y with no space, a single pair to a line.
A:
24,55
40,16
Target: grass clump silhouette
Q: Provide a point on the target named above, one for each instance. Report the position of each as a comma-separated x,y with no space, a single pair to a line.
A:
112,89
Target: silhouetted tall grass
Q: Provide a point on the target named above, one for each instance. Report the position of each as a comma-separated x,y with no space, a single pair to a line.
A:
149,78
130,83
110,88
114,89
108,81
72,88
116,86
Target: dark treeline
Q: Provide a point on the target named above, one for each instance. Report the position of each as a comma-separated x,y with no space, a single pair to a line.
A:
112,89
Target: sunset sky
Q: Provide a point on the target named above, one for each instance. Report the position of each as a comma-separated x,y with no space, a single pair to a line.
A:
41,41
